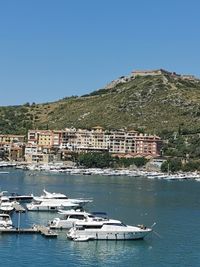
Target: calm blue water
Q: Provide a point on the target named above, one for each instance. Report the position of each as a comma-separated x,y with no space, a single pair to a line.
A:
174,206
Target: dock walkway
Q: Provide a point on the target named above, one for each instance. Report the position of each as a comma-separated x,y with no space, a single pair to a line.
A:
36,229
46,231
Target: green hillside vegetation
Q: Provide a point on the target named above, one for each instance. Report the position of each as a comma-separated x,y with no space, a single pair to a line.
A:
154,104
166,105
105,160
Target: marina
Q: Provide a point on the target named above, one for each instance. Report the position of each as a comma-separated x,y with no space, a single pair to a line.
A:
174,206
54,168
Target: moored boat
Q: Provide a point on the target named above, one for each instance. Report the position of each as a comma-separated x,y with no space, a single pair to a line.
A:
18,197
70,217
107,229
6,206
51,205
5,221
47,196
54,202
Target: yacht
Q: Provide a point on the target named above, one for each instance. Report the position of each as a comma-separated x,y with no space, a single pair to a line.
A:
54,202
6,205
21,198
5,222
47,196
106,229
50,205
70,217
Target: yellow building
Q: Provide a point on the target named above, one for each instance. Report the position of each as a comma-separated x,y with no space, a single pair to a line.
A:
45,138
11,138
41,137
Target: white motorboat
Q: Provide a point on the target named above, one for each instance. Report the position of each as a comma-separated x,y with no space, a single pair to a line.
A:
50,205
56,199
21,198
106,229
6,205
5,221
70,217
47,195
83,238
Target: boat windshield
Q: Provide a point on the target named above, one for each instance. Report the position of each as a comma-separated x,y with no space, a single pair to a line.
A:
90,216
83,227
77,216
116,224
100,214
4,217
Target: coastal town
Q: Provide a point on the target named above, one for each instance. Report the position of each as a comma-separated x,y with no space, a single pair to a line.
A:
45,146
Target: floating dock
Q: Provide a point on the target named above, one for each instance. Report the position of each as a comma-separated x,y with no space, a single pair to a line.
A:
36,229
43,230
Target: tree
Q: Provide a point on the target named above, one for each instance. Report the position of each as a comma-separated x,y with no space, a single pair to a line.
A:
95,160
191,166
139,162
171,165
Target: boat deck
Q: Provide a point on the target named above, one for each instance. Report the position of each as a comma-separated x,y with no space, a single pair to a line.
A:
19,208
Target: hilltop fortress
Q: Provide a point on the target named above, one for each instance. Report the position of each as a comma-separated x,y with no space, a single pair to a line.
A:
141,73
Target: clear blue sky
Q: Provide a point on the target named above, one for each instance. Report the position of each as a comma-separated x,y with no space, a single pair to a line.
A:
50,49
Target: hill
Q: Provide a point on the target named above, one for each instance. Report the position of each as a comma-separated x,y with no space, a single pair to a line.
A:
151,103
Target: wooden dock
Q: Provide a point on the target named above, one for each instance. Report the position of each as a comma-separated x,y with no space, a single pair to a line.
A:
46,231
36,229
19,231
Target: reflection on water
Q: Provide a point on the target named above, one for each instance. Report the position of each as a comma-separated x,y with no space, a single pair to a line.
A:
109,252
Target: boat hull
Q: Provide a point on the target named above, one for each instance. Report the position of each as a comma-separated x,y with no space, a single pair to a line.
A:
52,208
106,235
44,208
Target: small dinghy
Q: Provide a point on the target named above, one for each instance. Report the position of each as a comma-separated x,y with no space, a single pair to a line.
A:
83,238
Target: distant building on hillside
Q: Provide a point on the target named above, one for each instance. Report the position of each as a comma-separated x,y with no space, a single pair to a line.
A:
11,138
35,153
188,77
152,72
12,146
137,73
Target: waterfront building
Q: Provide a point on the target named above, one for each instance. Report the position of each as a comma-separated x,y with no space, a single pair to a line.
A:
39,158
38,154
12,146
117,142
40,137
16,153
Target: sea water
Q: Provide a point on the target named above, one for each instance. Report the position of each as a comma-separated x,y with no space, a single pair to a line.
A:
173,205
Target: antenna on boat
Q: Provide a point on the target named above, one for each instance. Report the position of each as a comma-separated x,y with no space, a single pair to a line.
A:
157,234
